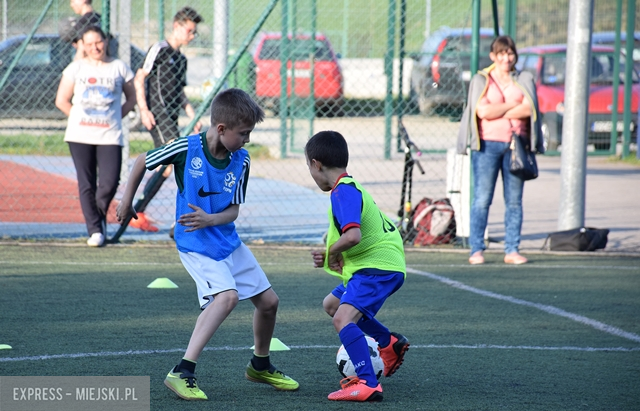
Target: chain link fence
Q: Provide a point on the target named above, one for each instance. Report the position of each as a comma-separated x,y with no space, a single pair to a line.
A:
360,67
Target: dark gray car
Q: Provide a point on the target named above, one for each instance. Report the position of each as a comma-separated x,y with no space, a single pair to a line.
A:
442,70
30,90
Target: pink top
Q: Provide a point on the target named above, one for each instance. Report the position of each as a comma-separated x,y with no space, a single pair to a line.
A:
500,129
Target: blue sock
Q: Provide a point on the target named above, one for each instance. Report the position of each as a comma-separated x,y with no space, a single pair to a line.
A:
356,345
376,330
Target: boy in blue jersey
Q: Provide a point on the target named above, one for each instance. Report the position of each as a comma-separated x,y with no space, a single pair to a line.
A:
211,171
364,249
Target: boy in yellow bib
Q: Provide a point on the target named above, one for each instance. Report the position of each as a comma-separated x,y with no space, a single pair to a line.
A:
365,250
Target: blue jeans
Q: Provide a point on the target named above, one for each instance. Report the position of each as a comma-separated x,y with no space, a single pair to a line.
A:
486,163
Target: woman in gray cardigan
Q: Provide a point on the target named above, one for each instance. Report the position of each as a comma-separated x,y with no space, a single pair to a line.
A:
500,102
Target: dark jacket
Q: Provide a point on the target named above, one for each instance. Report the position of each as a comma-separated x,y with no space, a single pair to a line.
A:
468,135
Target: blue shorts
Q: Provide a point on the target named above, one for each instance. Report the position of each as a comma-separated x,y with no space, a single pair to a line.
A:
368,292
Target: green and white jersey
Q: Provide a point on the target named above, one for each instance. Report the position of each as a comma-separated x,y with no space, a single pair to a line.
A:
175,152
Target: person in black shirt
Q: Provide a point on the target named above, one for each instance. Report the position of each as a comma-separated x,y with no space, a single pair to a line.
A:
160,91
76,27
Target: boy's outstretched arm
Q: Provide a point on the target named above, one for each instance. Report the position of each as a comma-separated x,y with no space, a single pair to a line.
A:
125,209
201,219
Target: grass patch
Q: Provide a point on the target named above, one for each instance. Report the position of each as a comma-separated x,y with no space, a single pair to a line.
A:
52,145
469,351
631,159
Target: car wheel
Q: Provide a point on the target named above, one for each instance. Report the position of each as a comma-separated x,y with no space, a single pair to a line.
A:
549,143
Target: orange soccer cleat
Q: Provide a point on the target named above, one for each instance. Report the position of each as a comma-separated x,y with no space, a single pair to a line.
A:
355,389
393,354
143,223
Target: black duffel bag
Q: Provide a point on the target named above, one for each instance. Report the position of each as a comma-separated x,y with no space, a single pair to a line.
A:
577,239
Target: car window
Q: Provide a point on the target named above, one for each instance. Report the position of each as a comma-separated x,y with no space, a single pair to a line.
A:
462,44
270,50
553,69
35,55
602,69
300,50
529,64
611,41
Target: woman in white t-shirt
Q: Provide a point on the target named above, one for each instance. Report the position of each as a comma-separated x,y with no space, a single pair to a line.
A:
90,94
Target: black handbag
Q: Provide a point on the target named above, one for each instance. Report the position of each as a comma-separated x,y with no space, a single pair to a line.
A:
523,162
577,239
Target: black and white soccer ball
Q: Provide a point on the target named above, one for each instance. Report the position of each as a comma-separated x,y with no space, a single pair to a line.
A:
345,366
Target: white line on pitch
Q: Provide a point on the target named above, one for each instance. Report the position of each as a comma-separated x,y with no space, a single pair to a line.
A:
546,308
314,347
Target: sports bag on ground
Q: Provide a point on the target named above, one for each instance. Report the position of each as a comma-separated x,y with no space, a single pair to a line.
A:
577,239
432,222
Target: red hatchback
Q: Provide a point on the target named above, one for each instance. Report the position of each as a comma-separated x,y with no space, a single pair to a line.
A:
547,63
328,84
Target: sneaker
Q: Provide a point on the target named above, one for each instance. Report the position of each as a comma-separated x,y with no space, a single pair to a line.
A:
143,223
355,389
184,384
393,354
96,240
273,377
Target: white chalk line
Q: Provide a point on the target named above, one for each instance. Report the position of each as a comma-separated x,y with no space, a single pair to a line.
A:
90,263
315,347
546,308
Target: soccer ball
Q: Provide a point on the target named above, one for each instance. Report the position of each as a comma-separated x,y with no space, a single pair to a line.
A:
345,366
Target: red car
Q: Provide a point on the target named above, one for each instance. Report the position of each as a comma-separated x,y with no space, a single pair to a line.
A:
328,84
547,63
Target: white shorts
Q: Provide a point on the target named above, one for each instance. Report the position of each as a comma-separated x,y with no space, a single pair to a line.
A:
240,271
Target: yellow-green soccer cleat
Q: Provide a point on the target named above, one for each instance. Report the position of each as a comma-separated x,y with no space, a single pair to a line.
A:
184,384
273,377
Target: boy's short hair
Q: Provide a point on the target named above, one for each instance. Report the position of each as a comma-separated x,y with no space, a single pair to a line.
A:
187,14
329,148
234,107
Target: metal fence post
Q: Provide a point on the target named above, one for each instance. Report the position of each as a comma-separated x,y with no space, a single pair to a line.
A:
106,17
616,79
574,130
388,71
628,71
510,17
284,58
